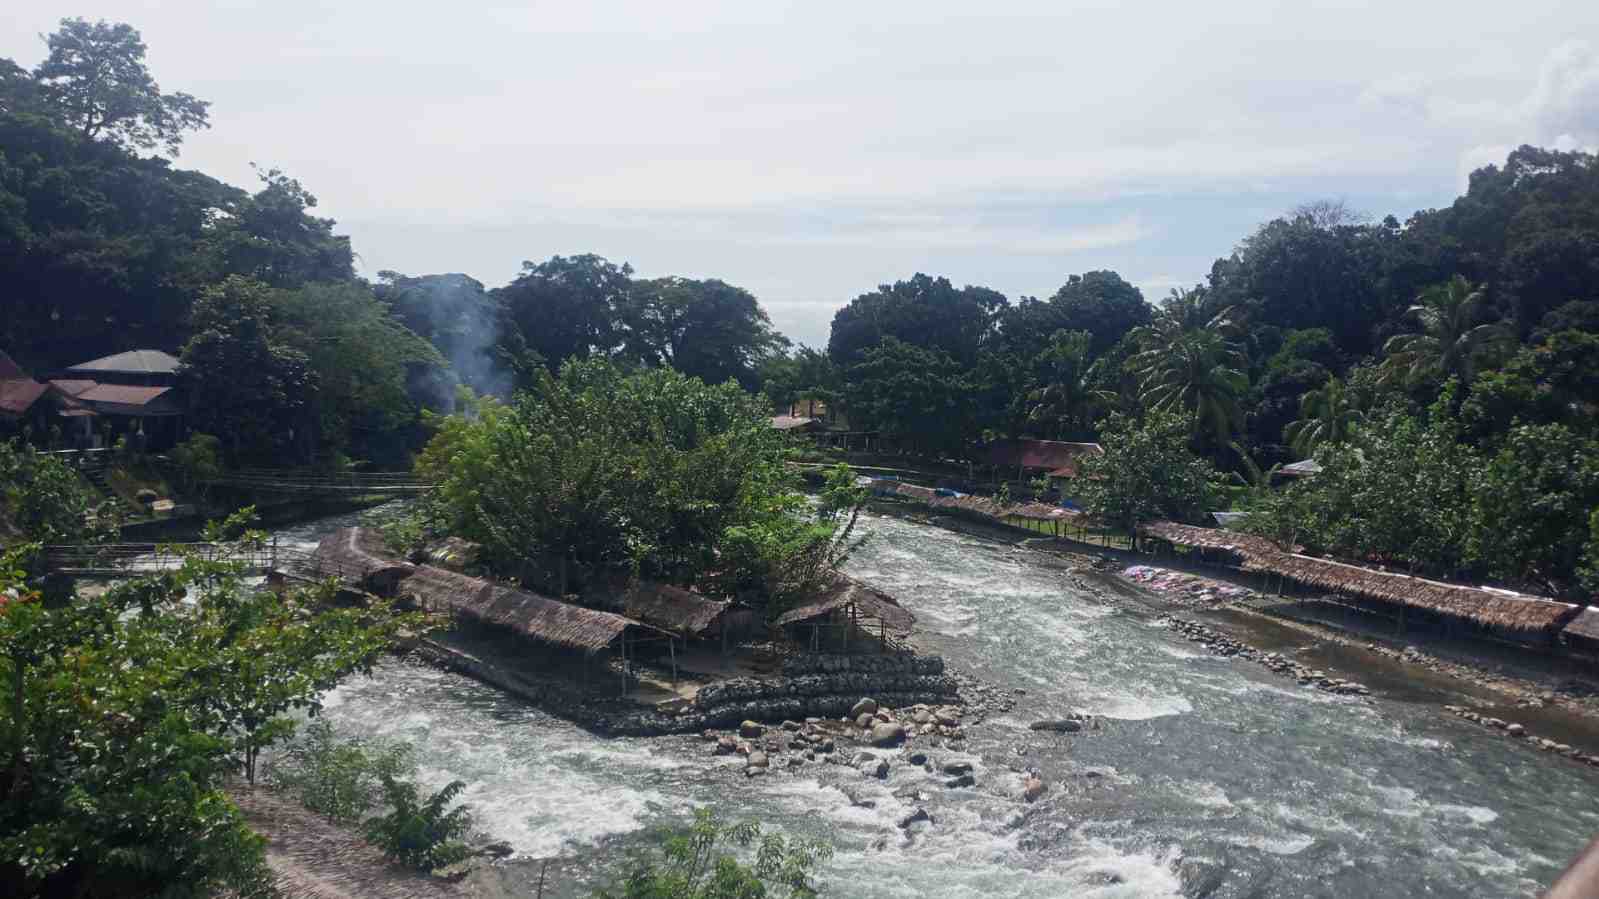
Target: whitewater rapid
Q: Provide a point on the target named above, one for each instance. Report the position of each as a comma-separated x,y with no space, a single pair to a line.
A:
1211,777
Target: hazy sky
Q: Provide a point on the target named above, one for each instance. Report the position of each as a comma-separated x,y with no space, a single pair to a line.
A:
811,151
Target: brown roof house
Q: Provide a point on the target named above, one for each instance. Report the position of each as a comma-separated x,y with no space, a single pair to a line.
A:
29,405
136,392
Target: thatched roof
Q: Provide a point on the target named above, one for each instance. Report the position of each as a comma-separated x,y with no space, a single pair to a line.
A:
1486,606
1585,625
529,614
969,502
1241,545
868,603
669,608
360,554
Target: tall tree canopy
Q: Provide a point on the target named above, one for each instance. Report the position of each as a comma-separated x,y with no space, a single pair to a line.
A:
96,78
708,329
926,312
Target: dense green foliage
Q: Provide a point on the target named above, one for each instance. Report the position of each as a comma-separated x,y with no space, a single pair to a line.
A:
596,470
125,711
341,780
48,501
1147,473
695,863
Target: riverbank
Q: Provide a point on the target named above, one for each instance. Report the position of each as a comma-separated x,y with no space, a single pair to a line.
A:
1553,701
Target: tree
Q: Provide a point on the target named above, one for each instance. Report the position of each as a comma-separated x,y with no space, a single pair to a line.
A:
127,710
917,396
1531,503
1065,399
1450,338
924,312
458,316
1102,304
564,308
596,471
708,329
372,374
1197,371
245,385
806,373
1327,415
1146,473
693,863
95,76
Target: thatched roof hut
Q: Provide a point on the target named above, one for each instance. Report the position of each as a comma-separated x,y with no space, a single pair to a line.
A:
529,614
1481,605
359,555
682,612
1243,546
859,601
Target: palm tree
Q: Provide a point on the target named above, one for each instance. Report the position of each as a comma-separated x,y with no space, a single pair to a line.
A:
1257,480
1449,341
1327,415
1067,396
1199,371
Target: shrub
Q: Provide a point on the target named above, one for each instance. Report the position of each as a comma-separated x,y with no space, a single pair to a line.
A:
425,835
692,864
341,780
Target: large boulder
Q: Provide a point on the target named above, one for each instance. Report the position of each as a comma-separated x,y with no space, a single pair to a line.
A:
750,729
914,817
877,768
888,733
758,759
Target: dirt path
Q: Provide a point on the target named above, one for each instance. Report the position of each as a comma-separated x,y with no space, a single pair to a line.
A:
313,859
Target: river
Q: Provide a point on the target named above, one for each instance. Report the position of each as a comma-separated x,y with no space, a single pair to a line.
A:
1210,777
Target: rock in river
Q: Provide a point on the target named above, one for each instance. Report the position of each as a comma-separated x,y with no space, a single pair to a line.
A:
1059,726
919,815
750,729
864,707
1033,789
888,734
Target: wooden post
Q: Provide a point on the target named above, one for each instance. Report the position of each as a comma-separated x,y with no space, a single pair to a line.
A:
671,648
885,636
624,663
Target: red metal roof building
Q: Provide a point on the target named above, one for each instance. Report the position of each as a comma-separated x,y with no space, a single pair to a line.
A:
1058,458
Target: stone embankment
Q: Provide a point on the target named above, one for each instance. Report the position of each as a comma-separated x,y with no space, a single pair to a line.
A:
810,686
1223,645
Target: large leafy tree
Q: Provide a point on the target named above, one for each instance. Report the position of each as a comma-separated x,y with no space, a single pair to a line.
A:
568,307
708,329
1147,473
96,80
1530,503
1452,334
458,316
919,397
372,374
595,471
247,386
1102,304
925,312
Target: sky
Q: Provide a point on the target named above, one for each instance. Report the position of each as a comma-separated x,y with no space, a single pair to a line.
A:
811,151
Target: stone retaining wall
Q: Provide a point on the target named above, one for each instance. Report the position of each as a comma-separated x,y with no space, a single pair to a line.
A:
726,703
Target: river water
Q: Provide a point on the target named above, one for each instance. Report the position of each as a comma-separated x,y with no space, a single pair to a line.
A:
1210,776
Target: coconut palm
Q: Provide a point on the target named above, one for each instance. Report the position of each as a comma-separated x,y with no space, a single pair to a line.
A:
1200,371
1449,340
1067,396
1327,415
